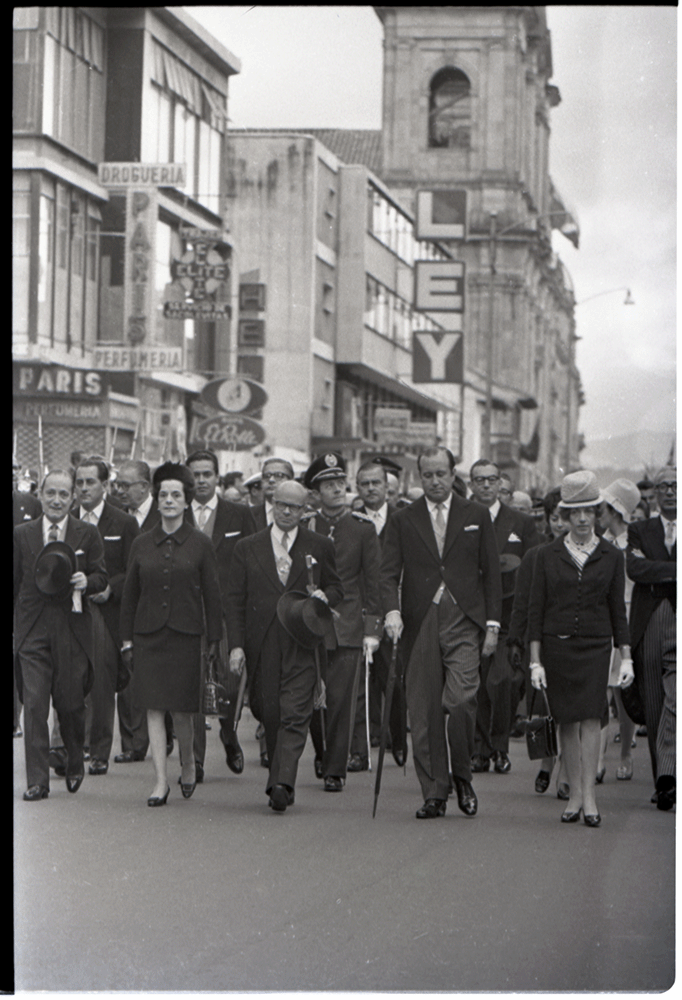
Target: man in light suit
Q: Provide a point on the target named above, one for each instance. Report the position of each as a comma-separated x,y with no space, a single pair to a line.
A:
500,689
652,565
118,531
225,523
282,674
440,566
53,636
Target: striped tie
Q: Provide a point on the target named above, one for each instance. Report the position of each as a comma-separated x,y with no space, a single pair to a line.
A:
439,528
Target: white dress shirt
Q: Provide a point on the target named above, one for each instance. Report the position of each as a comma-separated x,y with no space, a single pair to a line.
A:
378,517
209,507
61,529
141,513
91,516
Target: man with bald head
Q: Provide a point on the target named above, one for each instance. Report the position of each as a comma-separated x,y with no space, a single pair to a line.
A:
652,565
281,673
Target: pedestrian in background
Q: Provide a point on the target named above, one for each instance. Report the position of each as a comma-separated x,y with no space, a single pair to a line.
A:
171,589
576,616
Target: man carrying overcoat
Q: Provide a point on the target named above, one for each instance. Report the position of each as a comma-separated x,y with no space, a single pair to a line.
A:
442,550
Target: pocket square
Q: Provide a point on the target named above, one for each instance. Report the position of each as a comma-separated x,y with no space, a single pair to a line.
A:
231,534
471,527
513,537
112,538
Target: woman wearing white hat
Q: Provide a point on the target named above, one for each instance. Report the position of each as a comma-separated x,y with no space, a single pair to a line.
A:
576,615
620,501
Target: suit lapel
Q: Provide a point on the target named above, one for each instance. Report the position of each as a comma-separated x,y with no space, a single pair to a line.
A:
298,565
422,522
503,524
455,522
266,557
35,535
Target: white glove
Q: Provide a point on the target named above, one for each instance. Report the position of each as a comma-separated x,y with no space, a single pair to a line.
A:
394,625
627,674
538,677
237,660
370,644
320,696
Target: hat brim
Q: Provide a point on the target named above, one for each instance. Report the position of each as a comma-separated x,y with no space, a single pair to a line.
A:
54,567
576,504
306,619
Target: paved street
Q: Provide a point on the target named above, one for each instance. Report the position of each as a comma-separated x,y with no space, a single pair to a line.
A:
220,894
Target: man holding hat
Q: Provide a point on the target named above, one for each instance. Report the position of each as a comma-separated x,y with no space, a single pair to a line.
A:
358,625
281,670
58,560
652,564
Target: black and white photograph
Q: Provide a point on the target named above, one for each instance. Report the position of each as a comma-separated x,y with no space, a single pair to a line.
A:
344,485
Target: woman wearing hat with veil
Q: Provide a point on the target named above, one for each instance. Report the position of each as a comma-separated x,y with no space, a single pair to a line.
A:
576,616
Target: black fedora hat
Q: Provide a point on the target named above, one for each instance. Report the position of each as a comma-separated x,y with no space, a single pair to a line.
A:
307,619
55,565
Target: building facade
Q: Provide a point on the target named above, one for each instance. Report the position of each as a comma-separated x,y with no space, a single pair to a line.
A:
95,252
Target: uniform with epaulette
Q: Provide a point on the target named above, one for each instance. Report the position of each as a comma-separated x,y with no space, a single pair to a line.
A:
358,623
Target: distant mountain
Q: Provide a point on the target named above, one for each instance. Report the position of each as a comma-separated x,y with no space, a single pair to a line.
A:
628,455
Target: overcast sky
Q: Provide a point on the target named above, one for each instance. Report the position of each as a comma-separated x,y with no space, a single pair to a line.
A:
613,158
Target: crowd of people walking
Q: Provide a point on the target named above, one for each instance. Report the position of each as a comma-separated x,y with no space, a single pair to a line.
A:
351,615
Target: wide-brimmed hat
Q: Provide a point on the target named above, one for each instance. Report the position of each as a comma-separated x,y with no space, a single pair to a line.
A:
623,496
54,567
307,619
579,489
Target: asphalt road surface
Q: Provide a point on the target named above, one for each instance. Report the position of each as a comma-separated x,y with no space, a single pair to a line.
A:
218,893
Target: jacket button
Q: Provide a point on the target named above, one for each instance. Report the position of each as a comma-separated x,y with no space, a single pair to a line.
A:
164,605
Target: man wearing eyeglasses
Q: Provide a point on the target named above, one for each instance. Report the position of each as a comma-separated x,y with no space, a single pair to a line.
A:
273,472
501,680
281,672
652,564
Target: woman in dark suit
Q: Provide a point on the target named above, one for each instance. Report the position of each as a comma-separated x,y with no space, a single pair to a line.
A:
170,597
576,613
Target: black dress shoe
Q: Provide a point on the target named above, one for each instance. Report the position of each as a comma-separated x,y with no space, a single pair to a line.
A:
36,792
400,756
570,817
466,797
281,796
358,763
154,800
333,784
73,782
502,763
432,809
542,782
234,757
319,773
128,756
665,788
98,766
479,763
57,759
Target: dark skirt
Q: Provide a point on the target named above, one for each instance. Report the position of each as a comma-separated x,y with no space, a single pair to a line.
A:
167,671
577,671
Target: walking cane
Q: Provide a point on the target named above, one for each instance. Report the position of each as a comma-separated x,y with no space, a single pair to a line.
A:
369,743
390,684
240,698
310,562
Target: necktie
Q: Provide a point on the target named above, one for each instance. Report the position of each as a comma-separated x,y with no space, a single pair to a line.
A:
202,517
53,533
283,559
669,535
440,528
89,517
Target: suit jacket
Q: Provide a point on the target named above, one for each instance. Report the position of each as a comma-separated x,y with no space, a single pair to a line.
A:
25,507
86,542
118,531
172,584
654,576
469,566
515,534
358,558
259,519
591,604
254,587
390,511
232,522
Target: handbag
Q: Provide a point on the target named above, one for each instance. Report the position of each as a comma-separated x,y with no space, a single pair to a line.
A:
632,703
215,700
541,732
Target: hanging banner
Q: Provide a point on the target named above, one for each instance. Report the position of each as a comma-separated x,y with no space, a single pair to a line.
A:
140,261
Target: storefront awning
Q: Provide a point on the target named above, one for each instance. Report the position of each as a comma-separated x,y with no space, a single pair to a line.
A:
393,385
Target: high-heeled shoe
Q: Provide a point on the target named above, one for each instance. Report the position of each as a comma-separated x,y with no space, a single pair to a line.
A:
155,800
591,819
563,791
542,782
570,817
600,776
188,790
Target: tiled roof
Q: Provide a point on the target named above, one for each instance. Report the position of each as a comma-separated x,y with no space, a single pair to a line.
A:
349,144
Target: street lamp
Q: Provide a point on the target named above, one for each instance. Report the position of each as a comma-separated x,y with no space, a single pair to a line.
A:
629,301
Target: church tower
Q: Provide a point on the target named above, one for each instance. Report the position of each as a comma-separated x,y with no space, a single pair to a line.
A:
466,108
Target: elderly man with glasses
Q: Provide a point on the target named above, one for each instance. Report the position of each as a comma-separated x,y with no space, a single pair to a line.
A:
652,564
273,472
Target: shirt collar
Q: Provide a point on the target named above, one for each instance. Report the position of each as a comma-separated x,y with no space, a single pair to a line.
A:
279,534
432,504
495,509
96,512
211,505
61,528
144,508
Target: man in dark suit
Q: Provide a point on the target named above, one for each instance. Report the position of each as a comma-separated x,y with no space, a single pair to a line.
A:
652,564
372,485
500,689
225,523
282,673
274,472
53,635
441,565
118,530
358,622
25,507
134,483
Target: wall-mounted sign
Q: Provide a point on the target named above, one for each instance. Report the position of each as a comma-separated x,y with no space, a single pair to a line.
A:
200,271
441,215
140,261
54,380
206,310
439,286
142,174
192,233
437,356
234,395
226,433
119,358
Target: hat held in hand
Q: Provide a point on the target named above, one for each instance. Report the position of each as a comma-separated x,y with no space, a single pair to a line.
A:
307,619
55,565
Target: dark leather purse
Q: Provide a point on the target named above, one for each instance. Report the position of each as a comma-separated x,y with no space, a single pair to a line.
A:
541,732
215,699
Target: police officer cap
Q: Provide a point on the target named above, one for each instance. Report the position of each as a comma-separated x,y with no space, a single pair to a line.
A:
328,466
387,463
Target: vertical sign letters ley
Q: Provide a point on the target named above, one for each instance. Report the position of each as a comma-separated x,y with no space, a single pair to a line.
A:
437,356
140,262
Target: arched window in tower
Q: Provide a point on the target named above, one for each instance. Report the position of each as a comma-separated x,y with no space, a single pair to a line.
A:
450,109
